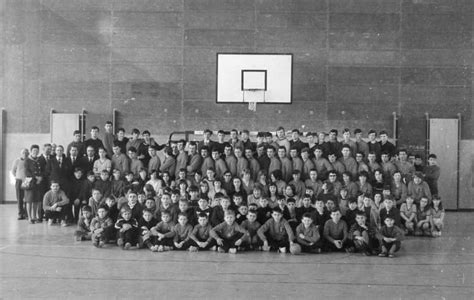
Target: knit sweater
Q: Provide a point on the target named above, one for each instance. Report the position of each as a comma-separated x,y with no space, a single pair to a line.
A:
278,231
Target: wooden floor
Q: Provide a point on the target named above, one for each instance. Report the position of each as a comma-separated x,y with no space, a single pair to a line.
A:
41,261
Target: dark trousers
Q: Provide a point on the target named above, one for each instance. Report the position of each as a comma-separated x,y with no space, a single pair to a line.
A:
185,246
277,244
391,247
328,246
20,195
312,248
129,236
211,244
55,214
229,242
163,242
105,236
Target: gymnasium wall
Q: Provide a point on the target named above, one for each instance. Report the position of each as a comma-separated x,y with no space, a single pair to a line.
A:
355,62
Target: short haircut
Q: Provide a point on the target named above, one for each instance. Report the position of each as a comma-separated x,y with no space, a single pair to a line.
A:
147,210
277,209
87,208
307,215
95,128
132,149
135,131
76,132
182,214
202,215
104,207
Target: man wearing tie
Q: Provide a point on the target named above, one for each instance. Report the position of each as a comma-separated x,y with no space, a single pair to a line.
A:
60,169
87,162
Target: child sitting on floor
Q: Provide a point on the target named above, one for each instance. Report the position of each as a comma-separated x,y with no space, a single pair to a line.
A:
127,229
162,234
252,225
437,213
276,233
390,237
83,232
102,227
201,235
182,230
229,235
307,235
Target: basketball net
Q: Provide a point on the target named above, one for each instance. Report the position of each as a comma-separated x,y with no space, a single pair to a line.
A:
252,96
253,105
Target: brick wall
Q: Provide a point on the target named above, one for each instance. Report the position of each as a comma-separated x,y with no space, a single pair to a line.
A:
355,62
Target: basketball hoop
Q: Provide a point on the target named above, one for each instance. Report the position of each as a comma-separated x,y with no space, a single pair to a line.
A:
253,96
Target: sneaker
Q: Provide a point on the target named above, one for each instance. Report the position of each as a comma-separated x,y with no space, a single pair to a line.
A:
167,248
391,255
282,250
349,250
160,248
101,244
31,221
193,249
232,250
50,222
63,223
127,246
220,250
382,254
78,238
120,242
154,248
95,243
213,248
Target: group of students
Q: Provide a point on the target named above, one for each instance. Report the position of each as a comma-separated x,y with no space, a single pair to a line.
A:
273,194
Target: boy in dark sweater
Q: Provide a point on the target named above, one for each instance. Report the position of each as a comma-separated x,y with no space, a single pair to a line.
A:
83,232
362,234
127,229
147,221
305,208
264,211
252,225
182,231
229,235
276,233
201,235
162,234
307,235
102,228
335,233
390,237
351,212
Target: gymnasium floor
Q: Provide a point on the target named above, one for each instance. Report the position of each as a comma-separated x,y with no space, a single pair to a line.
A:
37,261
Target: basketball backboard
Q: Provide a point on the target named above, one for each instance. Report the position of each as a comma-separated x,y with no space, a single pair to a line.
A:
264,78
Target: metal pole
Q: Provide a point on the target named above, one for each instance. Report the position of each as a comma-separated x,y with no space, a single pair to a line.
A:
427,145
395,128
2,155
114,120
458,159
83,124
51,112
